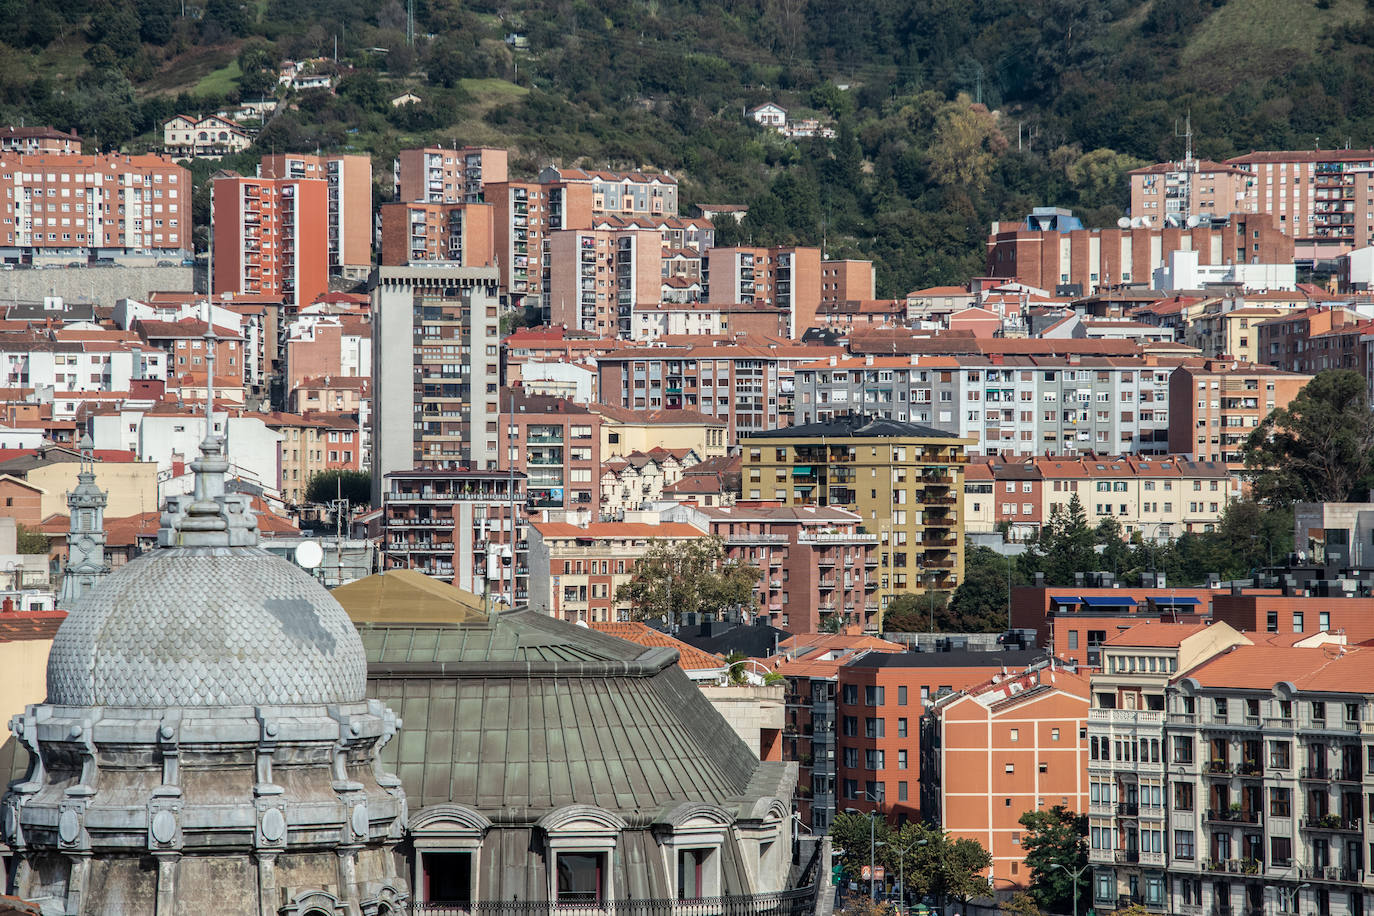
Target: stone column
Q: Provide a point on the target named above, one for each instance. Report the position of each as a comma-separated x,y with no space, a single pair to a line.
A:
348,879
269,898
167,883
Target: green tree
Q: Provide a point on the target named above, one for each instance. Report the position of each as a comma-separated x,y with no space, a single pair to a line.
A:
850,833
1020,904
1064,546
979,604
689,577
915,613
30,540
326,486
1318,448
1057,837
967,144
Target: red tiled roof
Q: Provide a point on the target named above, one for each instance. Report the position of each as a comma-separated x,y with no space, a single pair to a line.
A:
1334,669
689,658
23,626
617,530
1156,635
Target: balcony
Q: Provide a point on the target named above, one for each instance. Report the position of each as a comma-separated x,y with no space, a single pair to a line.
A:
1341,873
756,540
1128,809
1334,823
1233,815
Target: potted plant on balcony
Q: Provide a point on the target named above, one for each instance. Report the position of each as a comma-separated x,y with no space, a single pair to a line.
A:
1217,766
1331,821
1235,812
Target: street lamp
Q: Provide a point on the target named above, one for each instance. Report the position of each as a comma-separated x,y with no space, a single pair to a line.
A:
1292,894
1076,874
901,871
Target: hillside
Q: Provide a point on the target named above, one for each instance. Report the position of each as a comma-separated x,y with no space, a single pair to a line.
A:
949,114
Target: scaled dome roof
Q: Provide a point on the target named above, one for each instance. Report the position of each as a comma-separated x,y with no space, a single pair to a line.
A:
207,626
207,619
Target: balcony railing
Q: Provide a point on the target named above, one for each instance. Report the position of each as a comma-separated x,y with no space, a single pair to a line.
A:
1233,815
1333,822
800,902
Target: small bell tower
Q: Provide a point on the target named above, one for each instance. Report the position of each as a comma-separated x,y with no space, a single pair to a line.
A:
86,534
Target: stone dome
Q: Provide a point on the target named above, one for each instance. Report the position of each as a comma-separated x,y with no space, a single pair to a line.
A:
207,626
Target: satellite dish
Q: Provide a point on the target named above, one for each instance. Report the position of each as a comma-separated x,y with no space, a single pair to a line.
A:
1194,221
1137,222
309,554
1123,223
1145,221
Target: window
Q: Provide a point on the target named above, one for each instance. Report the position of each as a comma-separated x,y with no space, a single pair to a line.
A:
1183,749
873,696
873,760
851,726
901,728
1280,802
873,728
693,875
1280,754
447,878
1183,796
901,759
1297,621
581,877
1183,844
1073,639
1281,850
1015,734
901,791
850,694
901,696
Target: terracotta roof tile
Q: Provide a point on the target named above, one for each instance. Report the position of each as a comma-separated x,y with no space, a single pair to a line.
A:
690,658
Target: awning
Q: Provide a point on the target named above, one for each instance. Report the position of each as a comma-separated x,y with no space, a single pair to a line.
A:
1109,601
1066,599
1174,601
801,471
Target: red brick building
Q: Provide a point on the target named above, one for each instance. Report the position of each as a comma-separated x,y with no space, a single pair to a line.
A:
271,236
881,699
557,444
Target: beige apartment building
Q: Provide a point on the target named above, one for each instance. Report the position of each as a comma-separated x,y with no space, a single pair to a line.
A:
1193,187
625,431
1233,333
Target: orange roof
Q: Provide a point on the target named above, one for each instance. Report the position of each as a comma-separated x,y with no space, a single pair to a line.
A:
18,626
689,658
1156,635
617,530
1333,669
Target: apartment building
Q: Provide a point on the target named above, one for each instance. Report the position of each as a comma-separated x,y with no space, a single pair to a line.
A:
814,561
557,444
522,223
327,346
1318,197
576,569
1156,498
1234,333
736,384
1270,772
34,140
441,523
881,698
271,236
848,281
810,669
1192,187
437,175
992,752
311,445
635,481
437,409
348,204
1133,803
1006,404
78,361
62,207
577,195
1290,341
904,480
625,430
1214,405
596,279
462,234
655,320
1083,261
690,237
787,280
188,357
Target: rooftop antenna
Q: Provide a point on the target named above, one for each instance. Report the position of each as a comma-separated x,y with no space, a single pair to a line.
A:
210,341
